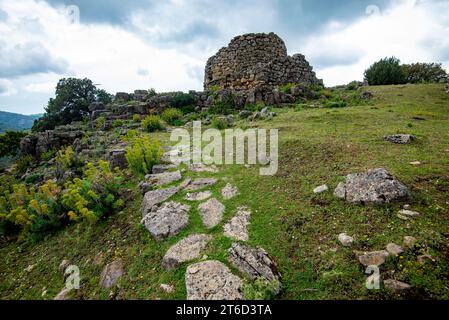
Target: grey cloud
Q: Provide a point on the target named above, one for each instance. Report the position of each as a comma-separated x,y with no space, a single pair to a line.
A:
143,72
3,15
3,87
332,58
28,58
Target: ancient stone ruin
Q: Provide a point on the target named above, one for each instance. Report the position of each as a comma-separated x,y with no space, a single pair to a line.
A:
252,60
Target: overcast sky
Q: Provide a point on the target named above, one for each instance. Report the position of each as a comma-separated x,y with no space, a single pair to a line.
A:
164,44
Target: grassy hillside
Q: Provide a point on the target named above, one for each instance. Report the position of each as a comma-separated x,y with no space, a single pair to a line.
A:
298,228
16,122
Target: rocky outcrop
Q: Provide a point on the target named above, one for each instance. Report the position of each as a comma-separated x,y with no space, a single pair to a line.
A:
400,138
38,143
212,280
154,197
374,186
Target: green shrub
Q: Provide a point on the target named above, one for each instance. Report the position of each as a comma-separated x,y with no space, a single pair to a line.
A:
136,118
100,122
10,142
152,92
220,123
23,163
67,158
353,85
152,123
117,123
143,154
387,71
335,104
287,88
184,102
260,289
172,116
94,196
48,155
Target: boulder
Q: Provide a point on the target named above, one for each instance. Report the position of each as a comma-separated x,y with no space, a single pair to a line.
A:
187,249
211,212
166,221
111,274
212,280
255,263
374,186
400,138
117,159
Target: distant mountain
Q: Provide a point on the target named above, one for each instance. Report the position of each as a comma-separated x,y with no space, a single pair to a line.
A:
15,121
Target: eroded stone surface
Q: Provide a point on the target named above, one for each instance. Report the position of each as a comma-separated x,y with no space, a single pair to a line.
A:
155,197
200,167
201,183
229,191
396,285
237,227
345,240
212,280
375,258
394,249
187,249
111,274
161,168
400,138
164,178
374,186
199,196
254,262
211,212
166,221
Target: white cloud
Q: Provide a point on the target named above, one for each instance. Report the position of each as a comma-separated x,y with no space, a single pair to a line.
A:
6,88
43,87
410,31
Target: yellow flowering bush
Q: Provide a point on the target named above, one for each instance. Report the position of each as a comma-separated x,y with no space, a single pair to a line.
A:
143,154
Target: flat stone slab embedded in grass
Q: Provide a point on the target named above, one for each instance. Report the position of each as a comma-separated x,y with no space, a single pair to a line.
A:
167,221
111,274
211,212
200,167
374,186
229,192
321,189
156,197
161,168
396,285
255,263
199,196
201,183
161,179
394,249
237,227
212,280
187,249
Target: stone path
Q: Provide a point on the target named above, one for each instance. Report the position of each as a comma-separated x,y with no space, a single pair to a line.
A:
210,279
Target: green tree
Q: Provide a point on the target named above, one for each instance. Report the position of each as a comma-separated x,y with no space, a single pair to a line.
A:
423,72
385,72
71,103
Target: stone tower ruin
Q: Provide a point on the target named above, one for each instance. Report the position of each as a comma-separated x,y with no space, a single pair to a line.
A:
255,60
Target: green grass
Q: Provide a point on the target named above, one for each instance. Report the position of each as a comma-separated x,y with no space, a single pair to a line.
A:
297,228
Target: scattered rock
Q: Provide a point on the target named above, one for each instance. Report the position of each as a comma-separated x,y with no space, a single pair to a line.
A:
345,240
409,213
161,168
199,196
63,295
394,249
164,178
407,207
229,192
396,285
30,268
212,280
409,242
167,288
375,258
167,221
211,212
367,95
244,114
111,274
64,265
321,189
415,163
200,167
117,159
155,197
400,138
187,249
98,258
374,186
254,262
201,183
237,228
185,183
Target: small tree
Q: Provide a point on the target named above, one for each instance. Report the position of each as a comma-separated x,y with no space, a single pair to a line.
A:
10,142
423,72
385,72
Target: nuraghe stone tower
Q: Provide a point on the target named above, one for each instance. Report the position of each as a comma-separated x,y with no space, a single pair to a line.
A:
254,60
